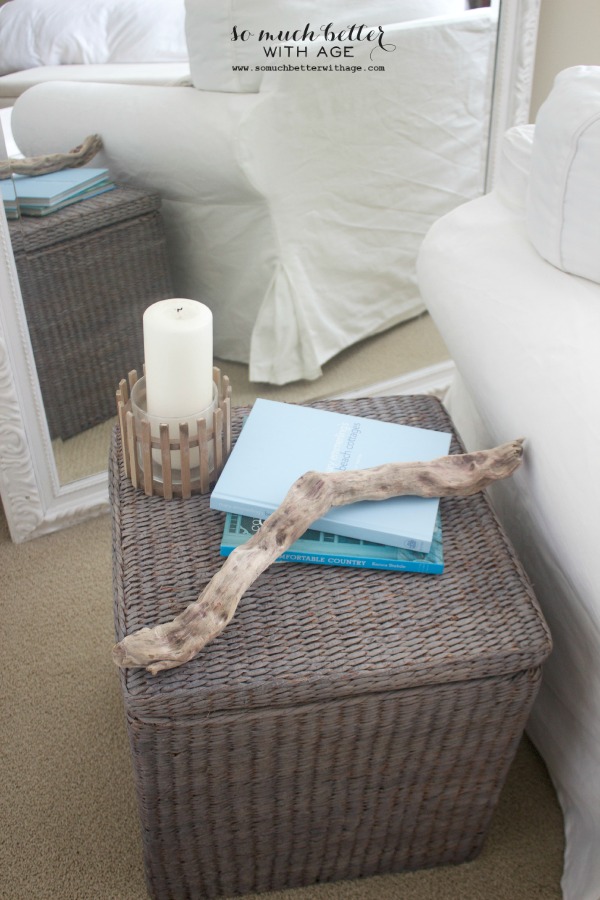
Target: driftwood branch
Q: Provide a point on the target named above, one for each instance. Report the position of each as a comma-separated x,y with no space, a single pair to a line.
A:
310,497
52,162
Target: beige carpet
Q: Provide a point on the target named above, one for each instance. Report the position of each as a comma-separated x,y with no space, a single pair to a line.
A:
68,826
409,346
402,349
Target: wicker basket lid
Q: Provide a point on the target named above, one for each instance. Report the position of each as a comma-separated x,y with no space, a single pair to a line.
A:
30,233
305,633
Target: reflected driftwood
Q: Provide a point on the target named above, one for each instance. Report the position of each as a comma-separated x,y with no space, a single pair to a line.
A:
52,162
170,644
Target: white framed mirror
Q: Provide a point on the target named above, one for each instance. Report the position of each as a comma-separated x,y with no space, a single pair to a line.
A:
36,499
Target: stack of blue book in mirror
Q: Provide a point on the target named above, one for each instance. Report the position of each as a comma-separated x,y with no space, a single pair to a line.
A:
40,195
281,441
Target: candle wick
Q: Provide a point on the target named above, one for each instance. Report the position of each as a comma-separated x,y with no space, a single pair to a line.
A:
179,309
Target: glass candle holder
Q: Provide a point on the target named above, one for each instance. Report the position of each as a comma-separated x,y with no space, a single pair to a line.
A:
174,447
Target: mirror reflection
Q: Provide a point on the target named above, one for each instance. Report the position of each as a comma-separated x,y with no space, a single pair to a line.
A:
90,257
84,316
214,200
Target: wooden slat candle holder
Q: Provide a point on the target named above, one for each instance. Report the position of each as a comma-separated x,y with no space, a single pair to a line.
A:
148,457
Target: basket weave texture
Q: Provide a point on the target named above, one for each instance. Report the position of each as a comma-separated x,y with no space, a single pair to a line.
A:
87,273
347,722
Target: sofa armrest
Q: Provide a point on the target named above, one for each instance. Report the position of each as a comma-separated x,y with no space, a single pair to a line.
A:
174,140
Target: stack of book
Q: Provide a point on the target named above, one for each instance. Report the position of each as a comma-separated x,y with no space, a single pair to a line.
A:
281,441
40,195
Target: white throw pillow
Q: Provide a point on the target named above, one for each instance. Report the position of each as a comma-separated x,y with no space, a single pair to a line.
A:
214,52
66,32
563,205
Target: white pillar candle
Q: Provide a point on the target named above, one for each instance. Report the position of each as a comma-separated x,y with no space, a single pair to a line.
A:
178,352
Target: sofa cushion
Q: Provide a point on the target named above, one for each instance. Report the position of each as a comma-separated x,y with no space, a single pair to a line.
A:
212,29
66,32
564,189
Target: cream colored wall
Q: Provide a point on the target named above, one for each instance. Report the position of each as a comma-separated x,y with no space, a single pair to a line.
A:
569,35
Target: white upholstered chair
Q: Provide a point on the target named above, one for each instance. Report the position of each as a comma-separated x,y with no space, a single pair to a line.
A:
512,281
295,202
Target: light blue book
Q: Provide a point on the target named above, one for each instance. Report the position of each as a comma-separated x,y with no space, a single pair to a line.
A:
9,195
326,549
281,441
53,188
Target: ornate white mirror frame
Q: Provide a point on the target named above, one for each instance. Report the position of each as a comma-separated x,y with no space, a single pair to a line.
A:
34,501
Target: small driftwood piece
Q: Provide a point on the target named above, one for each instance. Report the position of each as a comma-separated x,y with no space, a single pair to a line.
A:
310,497
52,162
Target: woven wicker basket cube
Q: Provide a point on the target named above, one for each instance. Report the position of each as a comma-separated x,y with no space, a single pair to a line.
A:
347,722
87,273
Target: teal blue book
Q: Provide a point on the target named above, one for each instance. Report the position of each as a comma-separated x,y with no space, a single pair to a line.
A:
27,210
281,441
322,548
54,187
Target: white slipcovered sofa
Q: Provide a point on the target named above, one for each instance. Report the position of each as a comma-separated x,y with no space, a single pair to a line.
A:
114,41
512,281
295,201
